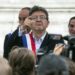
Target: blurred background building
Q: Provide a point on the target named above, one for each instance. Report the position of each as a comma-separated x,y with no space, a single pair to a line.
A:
60,12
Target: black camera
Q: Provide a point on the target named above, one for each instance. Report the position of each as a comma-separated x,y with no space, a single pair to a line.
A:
70,47
71,41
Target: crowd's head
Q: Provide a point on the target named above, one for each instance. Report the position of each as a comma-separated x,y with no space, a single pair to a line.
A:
22,61
5,68
71,65
55,65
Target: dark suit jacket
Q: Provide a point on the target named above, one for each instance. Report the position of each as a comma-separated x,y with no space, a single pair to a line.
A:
48,43
7,40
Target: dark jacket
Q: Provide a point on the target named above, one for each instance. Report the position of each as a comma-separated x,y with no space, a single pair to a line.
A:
8,39
47,45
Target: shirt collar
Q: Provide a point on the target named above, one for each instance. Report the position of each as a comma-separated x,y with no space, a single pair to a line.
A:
19,32
42,37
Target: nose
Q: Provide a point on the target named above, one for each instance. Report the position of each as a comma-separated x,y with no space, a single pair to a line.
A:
38,18
73,29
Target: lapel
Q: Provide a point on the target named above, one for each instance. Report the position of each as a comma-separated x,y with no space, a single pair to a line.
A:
45,41
16,39
46,44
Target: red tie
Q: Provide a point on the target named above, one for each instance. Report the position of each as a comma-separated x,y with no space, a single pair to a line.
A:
33,44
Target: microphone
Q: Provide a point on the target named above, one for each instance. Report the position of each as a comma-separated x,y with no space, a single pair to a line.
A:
68,37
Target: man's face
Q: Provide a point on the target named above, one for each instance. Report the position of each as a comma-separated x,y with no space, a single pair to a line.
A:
22,15
40,21
72,27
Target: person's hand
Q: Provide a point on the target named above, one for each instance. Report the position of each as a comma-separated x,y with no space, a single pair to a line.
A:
28,21
58,49
25,28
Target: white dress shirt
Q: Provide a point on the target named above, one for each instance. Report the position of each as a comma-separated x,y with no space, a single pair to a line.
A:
38,42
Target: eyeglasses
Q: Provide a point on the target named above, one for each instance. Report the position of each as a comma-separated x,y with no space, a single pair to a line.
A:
40,17
22,18
71,25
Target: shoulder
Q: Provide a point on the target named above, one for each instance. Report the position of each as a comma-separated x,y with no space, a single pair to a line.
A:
15,31
8,35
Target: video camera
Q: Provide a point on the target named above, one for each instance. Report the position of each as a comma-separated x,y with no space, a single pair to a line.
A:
71,41
70,47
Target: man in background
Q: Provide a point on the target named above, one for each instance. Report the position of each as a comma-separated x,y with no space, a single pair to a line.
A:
22,29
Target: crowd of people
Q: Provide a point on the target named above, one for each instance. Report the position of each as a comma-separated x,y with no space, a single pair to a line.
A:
31,50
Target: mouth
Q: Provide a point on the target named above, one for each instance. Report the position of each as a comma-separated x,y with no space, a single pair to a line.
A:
39,24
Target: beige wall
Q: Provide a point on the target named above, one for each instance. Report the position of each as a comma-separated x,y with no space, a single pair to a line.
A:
59,14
